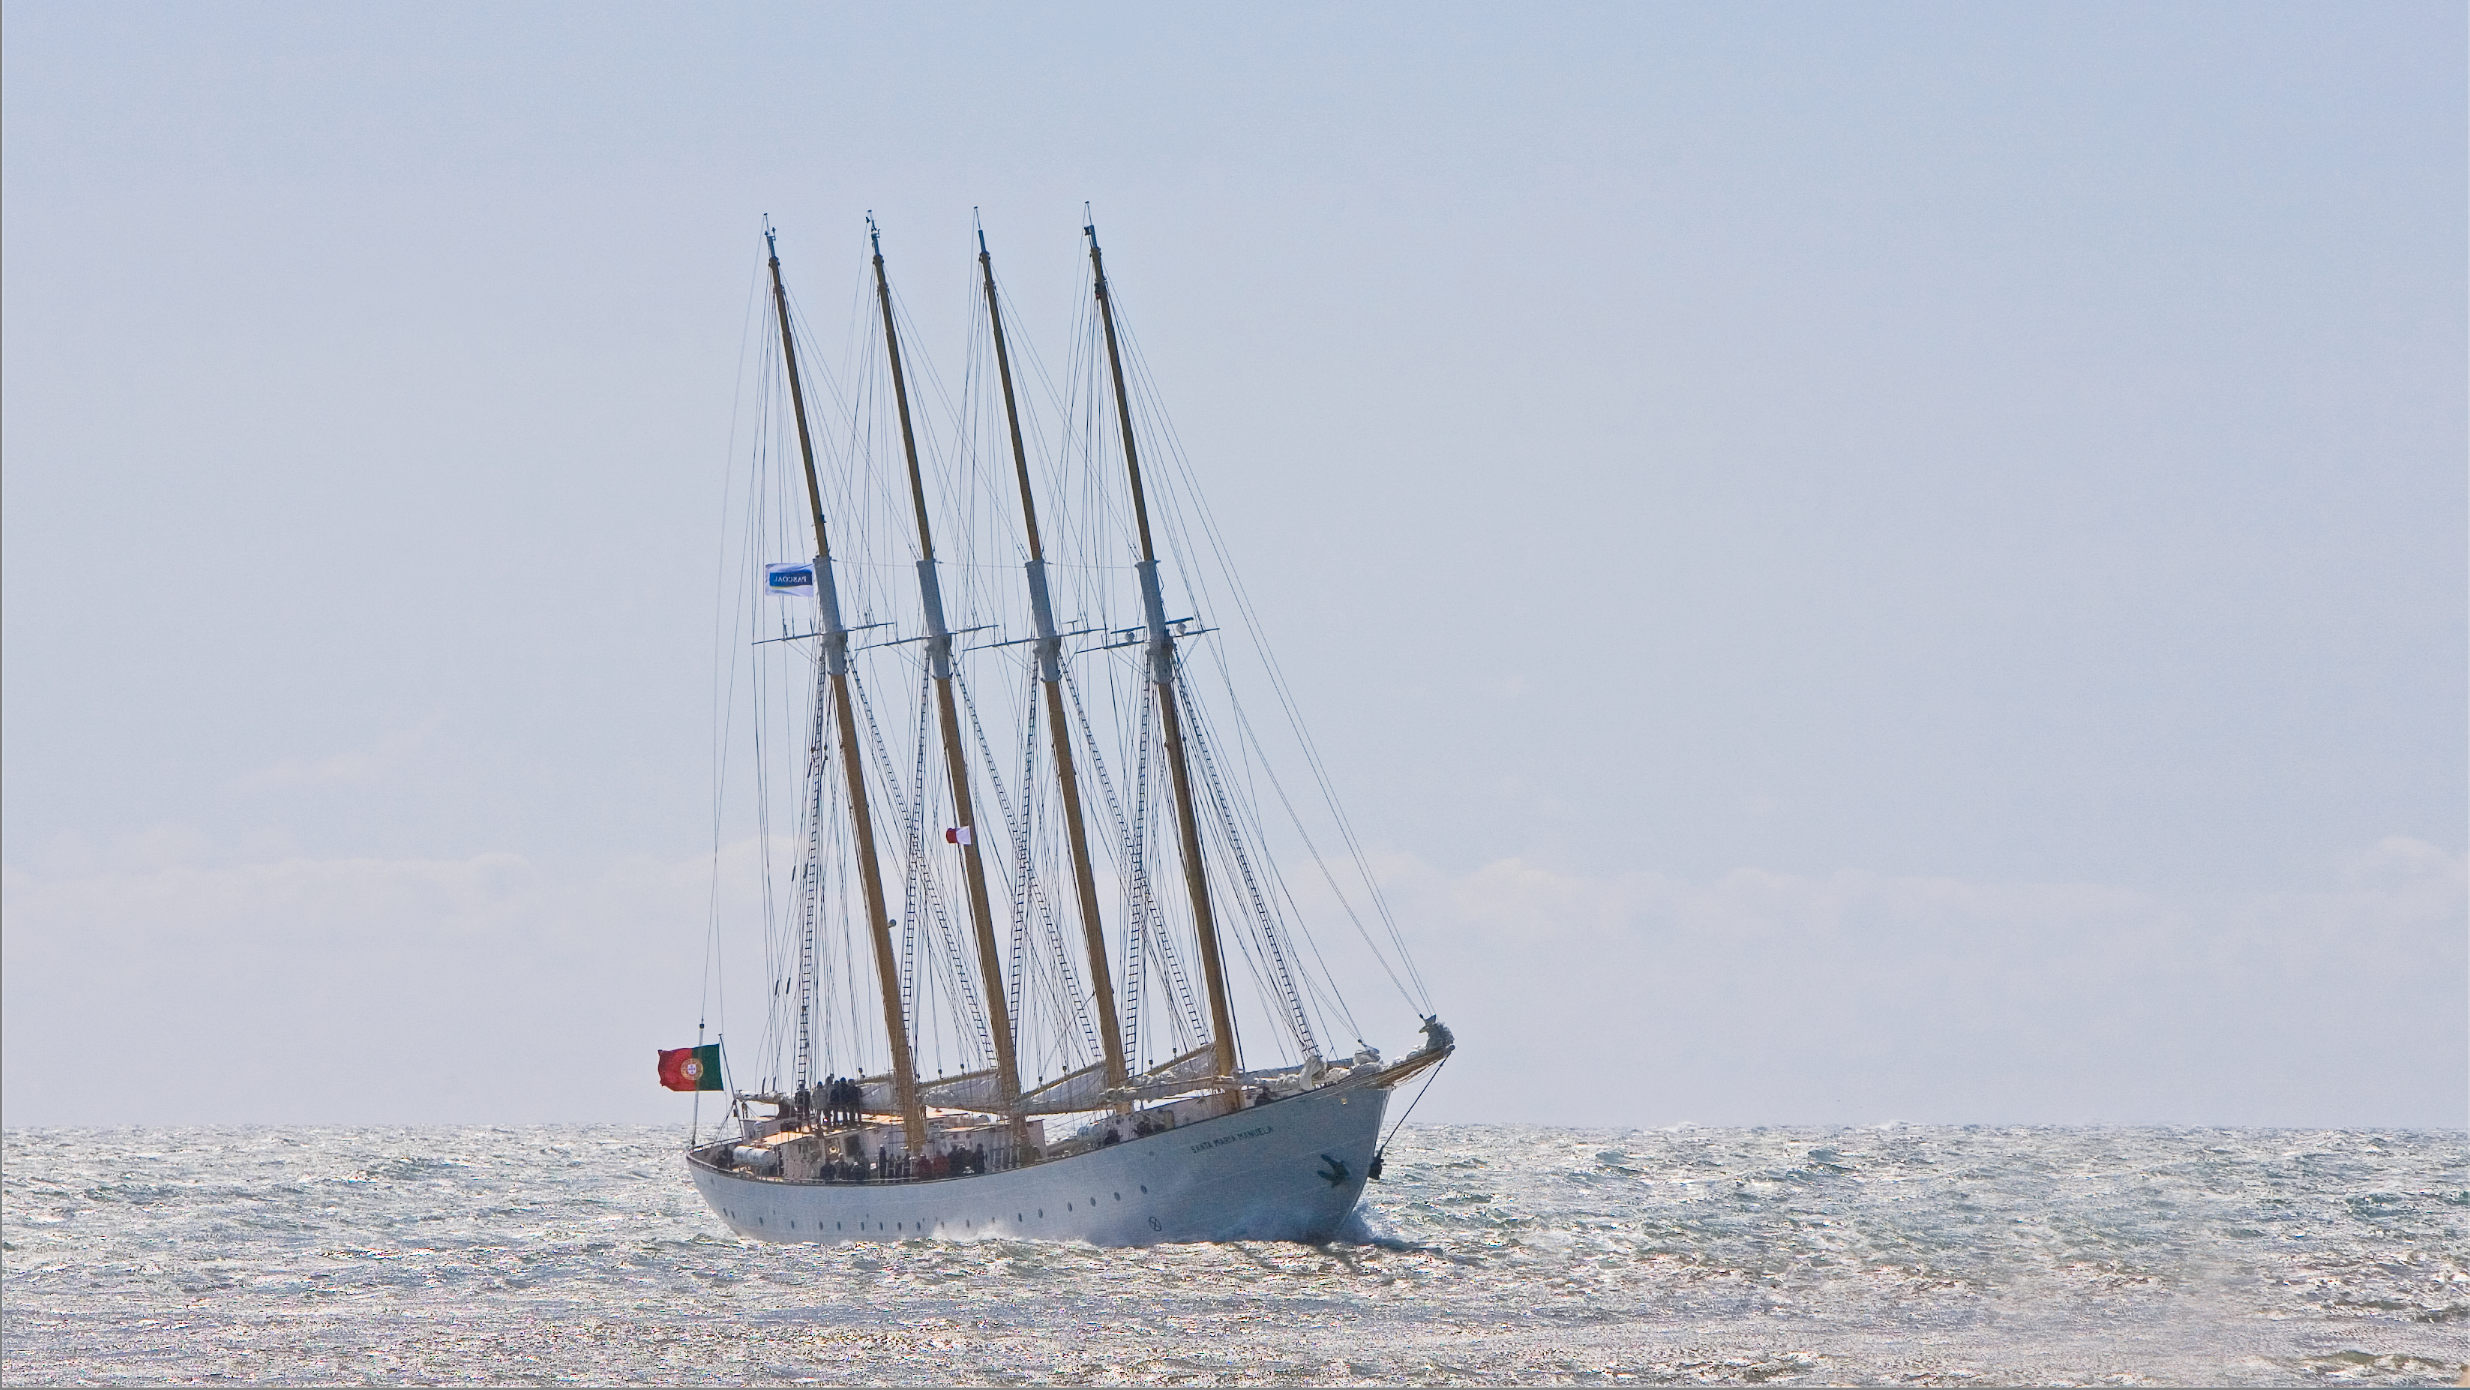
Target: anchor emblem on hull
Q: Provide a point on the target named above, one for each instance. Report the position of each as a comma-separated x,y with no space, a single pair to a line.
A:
1335,1174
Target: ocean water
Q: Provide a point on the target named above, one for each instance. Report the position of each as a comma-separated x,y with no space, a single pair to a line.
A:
1901,1255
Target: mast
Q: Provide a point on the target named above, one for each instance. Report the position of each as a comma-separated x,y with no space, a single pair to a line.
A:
956,764
1162,674
836,665
1049,651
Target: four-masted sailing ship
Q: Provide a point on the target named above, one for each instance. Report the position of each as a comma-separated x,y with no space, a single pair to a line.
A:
1028,809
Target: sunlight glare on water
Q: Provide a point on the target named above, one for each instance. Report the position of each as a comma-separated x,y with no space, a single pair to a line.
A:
1914,1255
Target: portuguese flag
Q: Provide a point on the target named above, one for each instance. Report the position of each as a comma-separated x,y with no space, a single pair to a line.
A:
691,1068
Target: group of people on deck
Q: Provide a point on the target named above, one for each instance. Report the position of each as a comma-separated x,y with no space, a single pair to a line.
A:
956,1163
839,1099
897,1167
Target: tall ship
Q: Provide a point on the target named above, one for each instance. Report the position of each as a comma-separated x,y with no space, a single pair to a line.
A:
1053,891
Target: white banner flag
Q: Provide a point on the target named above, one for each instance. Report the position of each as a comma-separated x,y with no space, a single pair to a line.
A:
790,581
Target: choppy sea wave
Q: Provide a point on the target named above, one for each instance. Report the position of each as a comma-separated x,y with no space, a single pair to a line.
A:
1910,1255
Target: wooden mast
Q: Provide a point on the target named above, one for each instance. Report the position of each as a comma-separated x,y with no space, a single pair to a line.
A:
1162,675
1049,650
862,820
956,763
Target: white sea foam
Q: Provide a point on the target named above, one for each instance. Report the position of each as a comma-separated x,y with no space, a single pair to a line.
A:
1909,1254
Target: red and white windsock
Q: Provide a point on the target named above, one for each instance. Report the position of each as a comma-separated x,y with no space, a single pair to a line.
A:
956,835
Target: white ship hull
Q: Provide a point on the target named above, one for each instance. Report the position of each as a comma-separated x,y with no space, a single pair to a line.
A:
1289,1170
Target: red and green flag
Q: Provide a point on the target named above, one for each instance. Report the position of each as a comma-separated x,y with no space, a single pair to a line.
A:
691,1068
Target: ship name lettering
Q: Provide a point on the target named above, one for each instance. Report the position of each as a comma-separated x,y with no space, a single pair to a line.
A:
1247,1134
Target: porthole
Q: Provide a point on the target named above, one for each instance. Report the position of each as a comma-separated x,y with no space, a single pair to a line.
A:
1119,1196
1041,1213
1144,1187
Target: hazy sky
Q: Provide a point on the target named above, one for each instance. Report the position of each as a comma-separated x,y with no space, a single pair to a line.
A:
1853,563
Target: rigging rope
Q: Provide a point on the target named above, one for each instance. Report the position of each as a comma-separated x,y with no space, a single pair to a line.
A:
1264,921
1435,1075
1166,444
